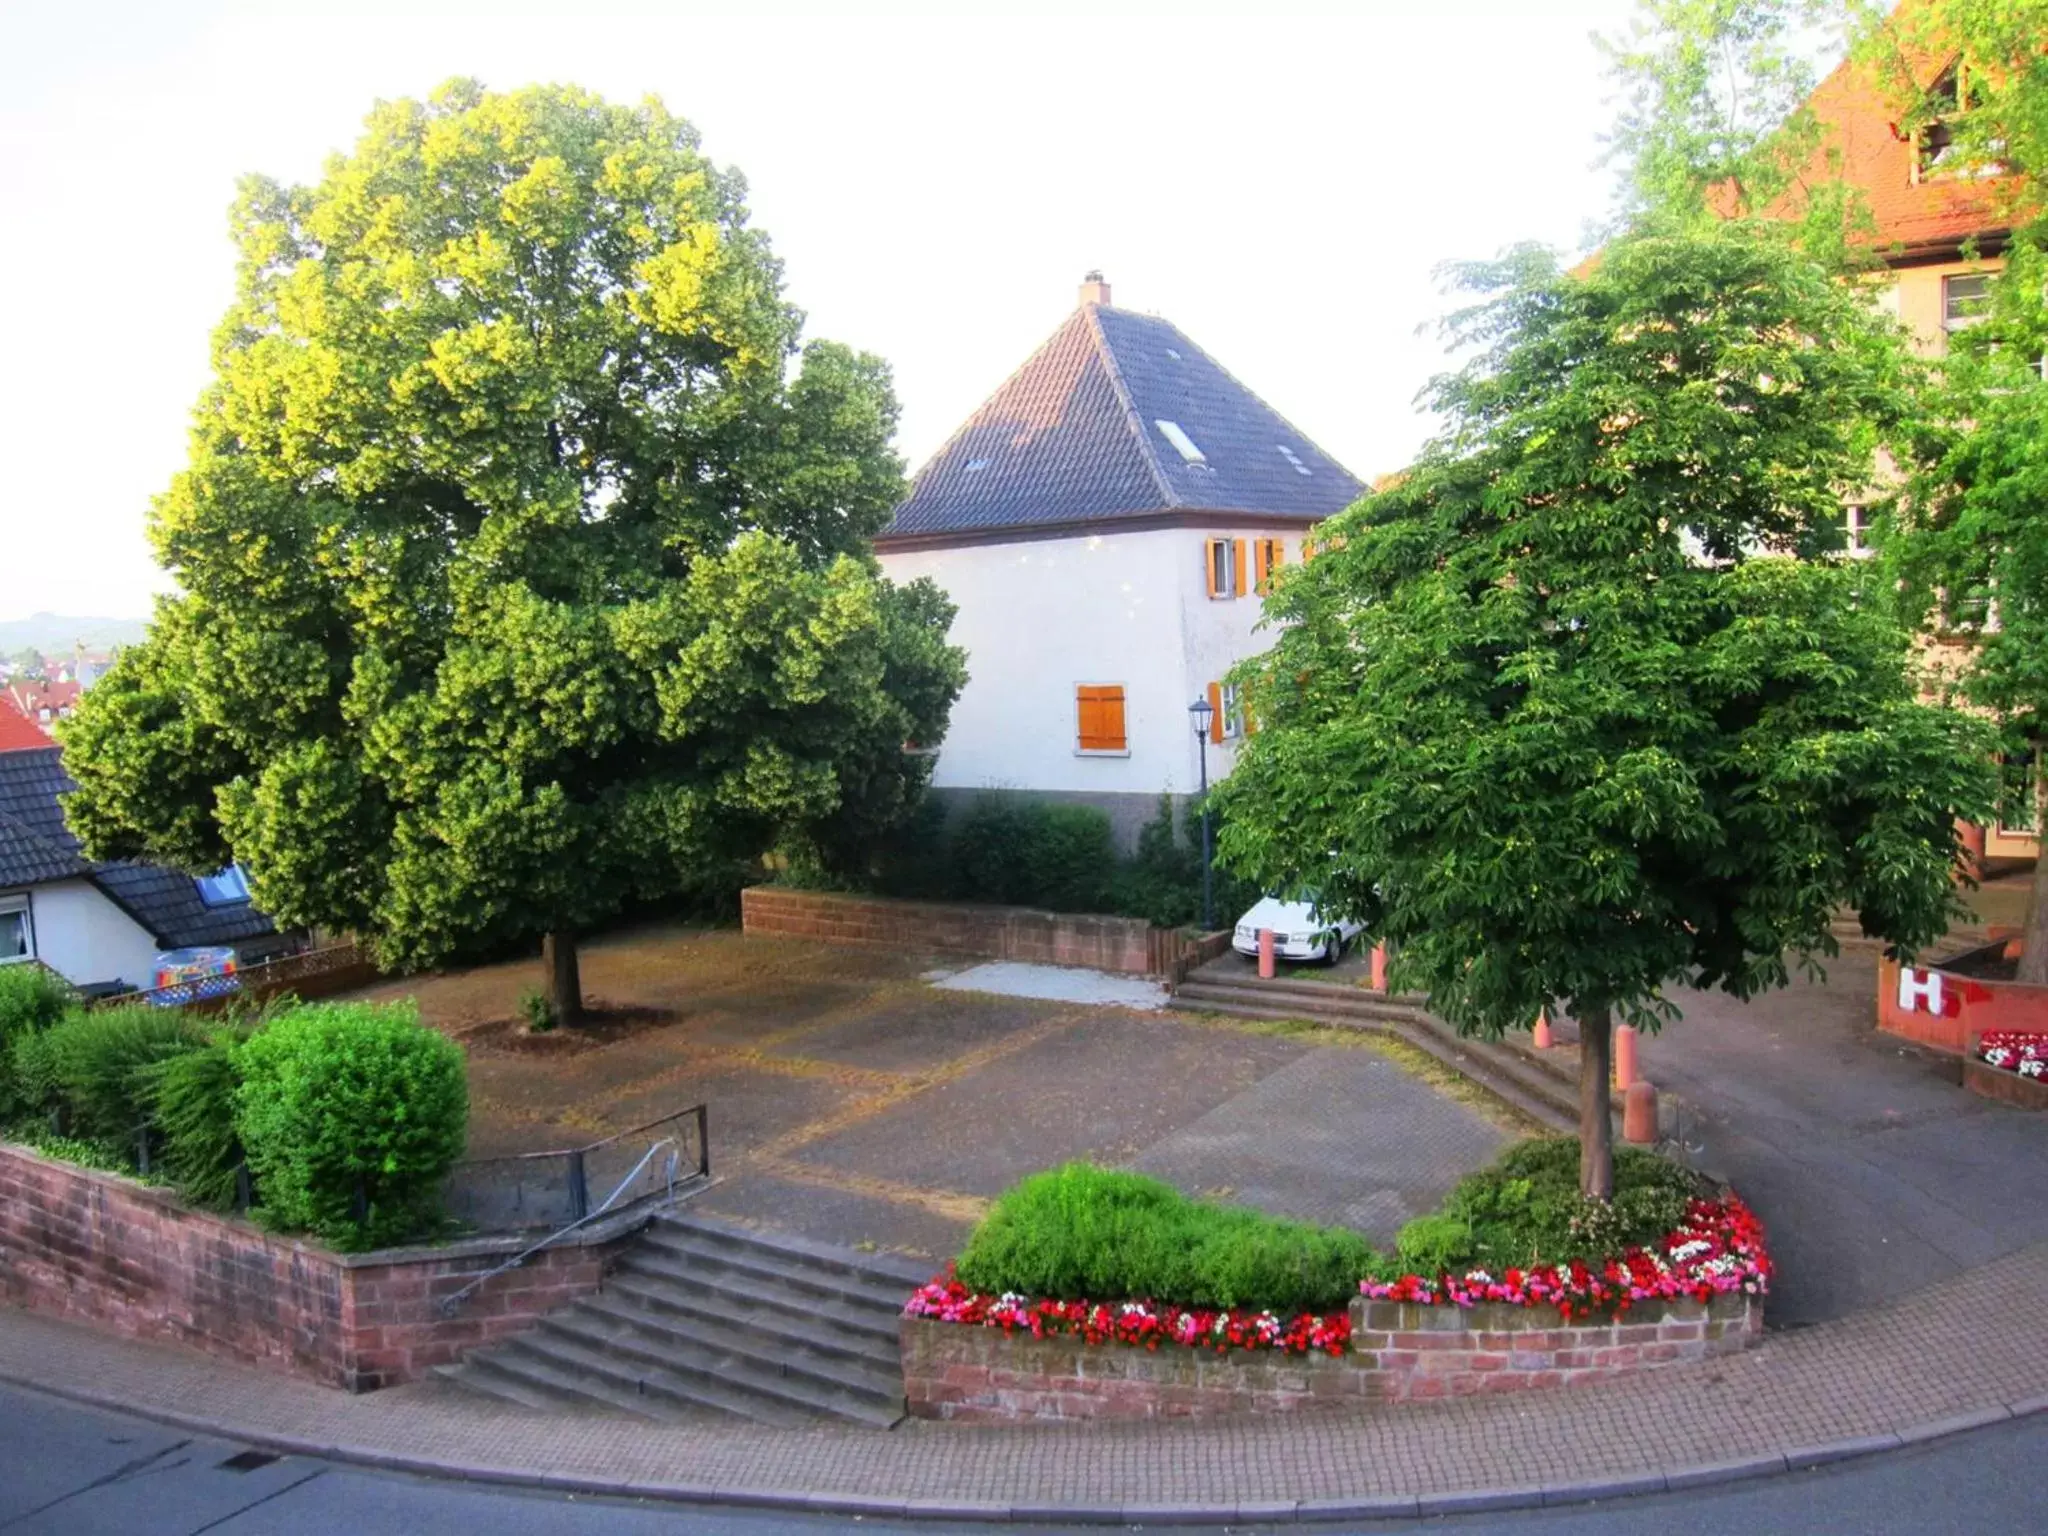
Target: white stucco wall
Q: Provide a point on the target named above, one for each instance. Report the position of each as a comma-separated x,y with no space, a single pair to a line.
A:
1040,617
84,937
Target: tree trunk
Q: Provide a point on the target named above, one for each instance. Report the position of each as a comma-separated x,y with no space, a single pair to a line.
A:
564,979
1596,1120
2034,958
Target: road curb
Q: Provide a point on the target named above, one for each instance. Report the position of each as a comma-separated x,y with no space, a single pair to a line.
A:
977,1511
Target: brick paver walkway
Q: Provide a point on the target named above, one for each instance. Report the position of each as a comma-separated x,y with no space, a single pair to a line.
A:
1967,1349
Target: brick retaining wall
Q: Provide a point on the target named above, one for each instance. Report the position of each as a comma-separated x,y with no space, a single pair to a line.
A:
138,1261
2007,1087
1124,944
980,1375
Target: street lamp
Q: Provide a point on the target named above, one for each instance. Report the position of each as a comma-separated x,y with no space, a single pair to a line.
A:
1200,712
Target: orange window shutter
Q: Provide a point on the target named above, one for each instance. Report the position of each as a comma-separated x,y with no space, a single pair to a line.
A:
1237,571
1259,566
1209,547
1276,558
1216,712
1113,719
1100,714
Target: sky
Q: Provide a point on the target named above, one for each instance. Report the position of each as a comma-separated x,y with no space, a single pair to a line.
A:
1283,183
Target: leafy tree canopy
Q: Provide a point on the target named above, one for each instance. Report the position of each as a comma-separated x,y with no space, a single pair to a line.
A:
524,555
1564,715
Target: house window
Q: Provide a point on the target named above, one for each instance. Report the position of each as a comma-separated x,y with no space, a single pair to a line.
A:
1965,300
1937,152
1857,520
1268,555
1223,563
17,934
1230,710
224,889
1099,717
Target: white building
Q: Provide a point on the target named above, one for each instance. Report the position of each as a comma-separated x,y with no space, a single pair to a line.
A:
101,925
1105,523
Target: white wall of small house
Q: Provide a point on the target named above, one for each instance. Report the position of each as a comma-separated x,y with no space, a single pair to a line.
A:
1041,617
84,937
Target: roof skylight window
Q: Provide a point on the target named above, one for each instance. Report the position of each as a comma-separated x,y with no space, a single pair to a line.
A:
1173,354
974,465
1182,443
1293,458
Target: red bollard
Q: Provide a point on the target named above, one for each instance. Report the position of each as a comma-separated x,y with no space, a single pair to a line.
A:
1543,1040
1639,1113
1379,967
1266,954
1624,1057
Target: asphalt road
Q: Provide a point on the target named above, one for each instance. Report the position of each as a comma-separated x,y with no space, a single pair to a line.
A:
72,1471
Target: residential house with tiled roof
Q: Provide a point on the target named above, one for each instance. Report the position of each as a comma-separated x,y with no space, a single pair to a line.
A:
96,923
42,700
1106,523
1939,225
17,730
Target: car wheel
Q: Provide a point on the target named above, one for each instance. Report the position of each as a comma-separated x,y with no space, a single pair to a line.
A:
1333,947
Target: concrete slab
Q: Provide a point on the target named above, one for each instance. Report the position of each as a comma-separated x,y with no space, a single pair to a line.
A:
1067,984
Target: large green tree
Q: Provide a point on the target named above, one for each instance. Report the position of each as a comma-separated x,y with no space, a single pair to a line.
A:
1579,709
524,554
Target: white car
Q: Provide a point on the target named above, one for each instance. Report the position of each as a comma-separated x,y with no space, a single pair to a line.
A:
1300,932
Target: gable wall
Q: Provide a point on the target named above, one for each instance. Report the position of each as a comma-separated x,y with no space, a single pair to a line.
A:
86,938
1039,617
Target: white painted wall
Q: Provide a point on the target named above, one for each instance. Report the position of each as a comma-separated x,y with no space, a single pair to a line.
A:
1040,617
84,937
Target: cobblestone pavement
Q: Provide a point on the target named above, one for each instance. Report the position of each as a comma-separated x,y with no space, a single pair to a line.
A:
853,1102
1963,1351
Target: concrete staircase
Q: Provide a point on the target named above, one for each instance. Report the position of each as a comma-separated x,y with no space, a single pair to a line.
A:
1542,1085
704,1317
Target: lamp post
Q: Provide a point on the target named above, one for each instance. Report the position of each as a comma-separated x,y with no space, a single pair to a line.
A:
1200,713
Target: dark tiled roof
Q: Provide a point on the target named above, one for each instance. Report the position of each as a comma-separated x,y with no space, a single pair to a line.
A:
36,846
1073,436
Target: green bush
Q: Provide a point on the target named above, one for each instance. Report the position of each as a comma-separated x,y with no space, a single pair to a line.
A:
1525,1209
1035,853
351,1113
95,1068
192,1099
31,1000
1083,1231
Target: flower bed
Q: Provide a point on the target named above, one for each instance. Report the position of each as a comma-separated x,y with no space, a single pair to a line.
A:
2015,1051
1696,1294
1717,1251
1144,1324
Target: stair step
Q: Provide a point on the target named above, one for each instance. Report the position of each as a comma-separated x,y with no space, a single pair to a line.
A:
682,1256
1281,997
540,1373
859,1332
887,1270
665,1336
683,1368
652,1390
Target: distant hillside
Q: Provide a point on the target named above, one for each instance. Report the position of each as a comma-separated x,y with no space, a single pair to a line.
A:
54,634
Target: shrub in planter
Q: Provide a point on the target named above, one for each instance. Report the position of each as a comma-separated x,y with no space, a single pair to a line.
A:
192,1098
351,1113
31,1000
1526,1209
1086,1232
95,1068
1009,848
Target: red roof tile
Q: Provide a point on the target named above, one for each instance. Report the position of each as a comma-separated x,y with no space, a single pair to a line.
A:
18,733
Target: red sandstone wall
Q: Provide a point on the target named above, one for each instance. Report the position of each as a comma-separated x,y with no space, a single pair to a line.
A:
1969,1007
110,1251
1000,933
980,1375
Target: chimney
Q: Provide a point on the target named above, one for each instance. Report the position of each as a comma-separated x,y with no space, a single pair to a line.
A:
1094,290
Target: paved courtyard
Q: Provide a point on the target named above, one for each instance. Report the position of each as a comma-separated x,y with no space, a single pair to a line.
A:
853,1101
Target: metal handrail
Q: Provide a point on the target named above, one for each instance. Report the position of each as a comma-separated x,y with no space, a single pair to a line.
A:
452,1303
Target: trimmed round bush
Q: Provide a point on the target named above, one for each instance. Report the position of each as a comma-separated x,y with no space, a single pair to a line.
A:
1084,1232
351,1114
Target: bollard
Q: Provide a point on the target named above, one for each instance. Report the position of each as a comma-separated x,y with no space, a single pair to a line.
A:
1624,1056
1266,954
1379,967
1543,1040
1639,1114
